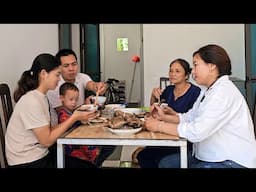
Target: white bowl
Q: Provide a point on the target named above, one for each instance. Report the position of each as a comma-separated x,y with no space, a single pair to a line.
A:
100,100
114,106
88,107
163,105
131,110
125,131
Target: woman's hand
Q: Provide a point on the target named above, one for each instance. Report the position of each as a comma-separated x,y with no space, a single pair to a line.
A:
154,110
168,110
159,113
156,92
151,124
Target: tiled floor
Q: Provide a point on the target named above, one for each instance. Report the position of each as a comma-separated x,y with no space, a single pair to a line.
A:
121,158
119,164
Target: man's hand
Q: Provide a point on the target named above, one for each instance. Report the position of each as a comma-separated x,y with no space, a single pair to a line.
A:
101,87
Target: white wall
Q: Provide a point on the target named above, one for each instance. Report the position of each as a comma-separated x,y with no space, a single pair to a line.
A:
20,44
119,65
163,43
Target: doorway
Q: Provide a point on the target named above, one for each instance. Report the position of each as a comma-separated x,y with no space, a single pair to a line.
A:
100,58
65,34
90,50
117,62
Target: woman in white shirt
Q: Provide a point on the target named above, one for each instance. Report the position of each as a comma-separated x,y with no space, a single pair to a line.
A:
219,125
29,132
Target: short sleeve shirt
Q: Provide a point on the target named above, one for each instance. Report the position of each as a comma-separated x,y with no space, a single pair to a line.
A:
81,82
184,102
30,112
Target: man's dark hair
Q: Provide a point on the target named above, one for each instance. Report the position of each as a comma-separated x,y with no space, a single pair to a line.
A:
65,52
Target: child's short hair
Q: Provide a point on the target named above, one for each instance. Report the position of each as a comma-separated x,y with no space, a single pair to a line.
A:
67,86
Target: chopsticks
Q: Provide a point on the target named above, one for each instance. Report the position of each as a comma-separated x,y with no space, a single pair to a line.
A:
161,101
96,97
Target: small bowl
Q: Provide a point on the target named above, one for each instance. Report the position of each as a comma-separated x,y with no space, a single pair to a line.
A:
163,105
114,106
88,107
101,99
131,110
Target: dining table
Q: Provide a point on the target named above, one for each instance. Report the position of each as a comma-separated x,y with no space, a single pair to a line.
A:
100,134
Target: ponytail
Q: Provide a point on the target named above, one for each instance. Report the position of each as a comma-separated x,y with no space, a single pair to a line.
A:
25,84
30,79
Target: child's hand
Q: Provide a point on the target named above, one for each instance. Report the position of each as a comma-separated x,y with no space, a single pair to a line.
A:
85,115
89,99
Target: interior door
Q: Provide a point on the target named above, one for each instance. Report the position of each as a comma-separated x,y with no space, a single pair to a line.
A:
90,50
250,42
250,32
64,36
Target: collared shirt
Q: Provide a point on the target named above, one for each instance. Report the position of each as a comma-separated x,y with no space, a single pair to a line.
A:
80,81
220,125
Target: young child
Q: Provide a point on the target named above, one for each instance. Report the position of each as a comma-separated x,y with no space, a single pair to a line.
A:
69,94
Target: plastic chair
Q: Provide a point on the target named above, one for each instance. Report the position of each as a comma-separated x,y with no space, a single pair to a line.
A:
7,109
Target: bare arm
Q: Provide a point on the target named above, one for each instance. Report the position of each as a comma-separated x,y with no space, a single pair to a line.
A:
155,125
96,86
47,135
171,116
91,86
155,95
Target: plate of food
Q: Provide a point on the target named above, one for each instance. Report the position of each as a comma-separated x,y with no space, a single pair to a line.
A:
125,131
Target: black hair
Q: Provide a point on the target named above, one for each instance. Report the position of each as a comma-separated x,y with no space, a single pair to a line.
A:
67,86
65,52
30,79
216,55
184,64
